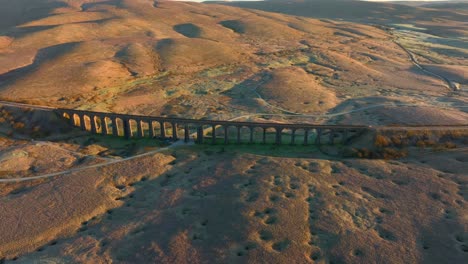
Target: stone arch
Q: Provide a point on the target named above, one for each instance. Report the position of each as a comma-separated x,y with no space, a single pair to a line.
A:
129,127
279,131
204,132
213,133
299,135
244,134
287,135
200,133
305,136
76,121
190,131
86,122
117,126
145,128
95,122
269,135
148,127
68,116
317,136
175,131
230,133
165,129
141,126
156,126
152,125
257,134
104,125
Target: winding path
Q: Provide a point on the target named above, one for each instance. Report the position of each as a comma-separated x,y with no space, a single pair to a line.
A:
414,60
54,174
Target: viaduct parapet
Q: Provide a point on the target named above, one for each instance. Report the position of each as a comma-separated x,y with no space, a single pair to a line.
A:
209,131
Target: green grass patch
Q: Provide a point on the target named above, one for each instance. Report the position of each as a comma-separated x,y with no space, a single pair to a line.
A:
286,150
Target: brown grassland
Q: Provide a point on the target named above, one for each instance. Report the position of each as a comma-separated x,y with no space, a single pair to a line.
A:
393,197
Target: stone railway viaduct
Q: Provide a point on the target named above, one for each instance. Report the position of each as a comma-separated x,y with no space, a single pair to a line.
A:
209,131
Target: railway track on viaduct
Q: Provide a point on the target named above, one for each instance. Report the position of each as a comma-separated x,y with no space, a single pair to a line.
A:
213,131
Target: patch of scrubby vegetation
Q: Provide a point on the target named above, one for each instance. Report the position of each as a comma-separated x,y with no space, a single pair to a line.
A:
440,139
395,144
380,153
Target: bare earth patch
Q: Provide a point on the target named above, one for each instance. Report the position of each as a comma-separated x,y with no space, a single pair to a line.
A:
252,208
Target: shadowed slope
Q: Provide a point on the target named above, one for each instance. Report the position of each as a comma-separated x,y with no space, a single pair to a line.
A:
14,13
362,11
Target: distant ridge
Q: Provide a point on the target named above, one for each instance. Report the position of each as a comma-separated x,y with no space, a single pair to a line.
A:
359,11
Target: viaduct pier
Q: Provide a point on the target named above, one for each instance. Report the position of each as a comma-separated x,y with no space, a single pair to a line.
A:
209,131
